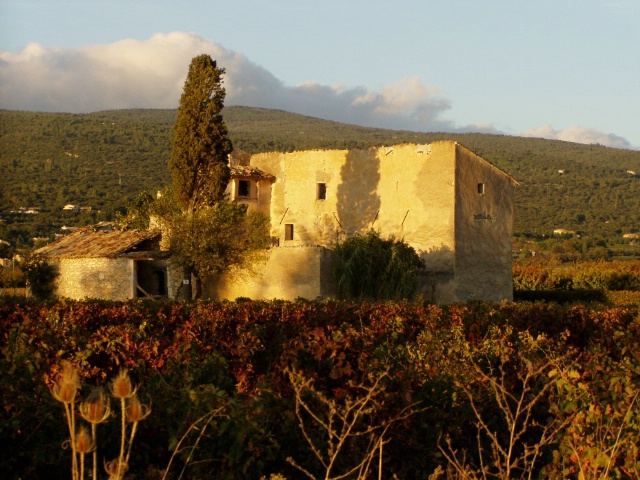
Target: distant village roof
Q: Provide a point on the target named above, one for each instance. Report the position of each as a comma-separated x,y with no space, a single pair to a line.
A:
100,241
563,231
245,171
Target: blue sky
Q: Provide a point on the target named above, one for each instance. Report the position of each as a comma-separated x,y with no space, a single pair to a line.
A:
567,69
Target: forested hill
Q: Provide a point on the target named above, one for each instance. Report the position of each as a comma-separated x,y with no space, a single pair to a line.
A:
100,160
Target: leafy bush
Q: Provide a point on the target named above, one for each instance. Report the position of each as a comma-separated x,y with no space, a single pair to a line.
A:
40,276
369,267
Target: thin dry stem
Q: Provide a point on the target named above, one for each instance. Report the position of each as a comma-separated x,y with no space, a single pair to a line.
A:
207,418
340,423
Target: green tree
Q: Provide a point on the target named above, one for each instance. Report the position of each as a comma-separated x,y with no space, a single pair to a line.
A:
138,211
218,238
208,234
40,276
201,146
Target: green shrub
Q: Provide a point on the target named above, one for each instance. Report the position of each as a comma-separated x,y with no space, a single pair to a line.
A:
370,267
40,276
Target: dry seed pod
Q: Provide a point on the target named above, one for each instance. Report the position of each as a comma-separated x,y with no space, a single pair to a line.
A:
121,386
136,411
96,409
115,469
67,384
83,442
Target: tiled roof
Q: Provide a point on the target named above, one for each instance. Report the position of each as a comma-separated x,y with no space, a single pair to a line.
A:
249,172
98,241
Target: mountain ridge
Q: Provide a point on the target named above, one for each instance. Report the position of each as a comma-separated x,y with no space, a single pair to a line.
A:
103,159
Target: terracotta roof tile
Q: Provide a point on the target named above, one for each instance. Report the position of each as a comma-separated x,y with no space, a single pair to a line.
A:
98,241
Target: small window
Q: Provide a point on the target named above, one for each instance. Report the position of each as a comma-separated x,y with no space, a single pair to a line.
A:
288,231
481,188
322,191
243,188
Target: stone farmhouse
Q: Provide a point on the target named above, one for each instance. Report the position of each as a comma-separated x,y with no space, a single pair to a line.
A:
449,204
452,206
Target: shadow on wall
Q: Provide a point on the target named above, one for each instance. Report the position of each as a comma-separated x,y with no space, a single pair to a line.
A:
438,259
358,202
438,274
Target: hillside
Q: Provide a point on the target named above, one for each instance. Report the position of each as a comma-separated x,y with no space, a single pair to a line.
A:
102,159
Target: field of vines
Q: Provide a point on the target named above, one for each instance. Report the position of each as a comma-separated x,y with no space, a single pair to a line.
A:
246,390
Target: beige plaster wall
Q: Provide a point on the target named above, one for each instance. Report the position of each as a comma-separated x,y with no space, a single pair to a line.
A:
288,273
104,278
417,193
483,231
406,191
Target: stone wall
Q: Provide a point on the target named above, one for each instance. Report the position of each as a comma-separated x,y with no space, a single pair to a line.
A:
104,278
406,191
484,216
288,273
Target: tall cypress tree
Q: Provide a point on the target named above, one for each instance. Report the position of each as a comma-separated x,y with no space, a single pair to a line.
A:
207,233
199,164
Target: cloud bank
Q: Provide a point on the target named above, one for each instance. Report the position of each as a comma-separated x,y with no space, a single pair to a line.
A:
151,74
579,134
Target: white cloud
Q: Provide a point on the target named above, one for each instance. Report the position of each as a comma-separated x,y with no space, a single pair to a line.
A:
151,73
578,134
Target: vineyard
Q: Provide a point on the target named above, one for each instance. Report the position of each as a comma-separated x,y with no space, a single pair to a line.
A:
325,389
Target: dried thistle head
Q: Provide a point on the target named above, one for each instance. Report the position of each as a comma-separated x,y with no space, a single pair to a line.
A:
96,409
136,411
116,469
83,441
121,386
67,384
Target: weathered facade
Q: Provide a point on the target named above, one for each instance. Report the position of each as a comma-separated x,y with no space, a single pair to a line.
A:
448,203
105,262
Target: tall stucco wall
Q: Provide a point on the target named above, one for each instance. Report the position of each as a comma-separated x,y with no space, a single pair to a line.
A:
104,278
417,192
406,191
293,195
288,273
484,216
425,194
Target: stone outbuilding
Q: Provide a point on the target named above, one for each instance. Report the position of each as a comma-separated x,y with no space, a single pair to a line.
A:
106,262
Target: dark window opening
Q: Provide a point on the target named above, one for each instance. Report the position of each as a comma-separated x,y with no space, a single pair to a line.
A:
322,191
288,231
481,188
243,188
